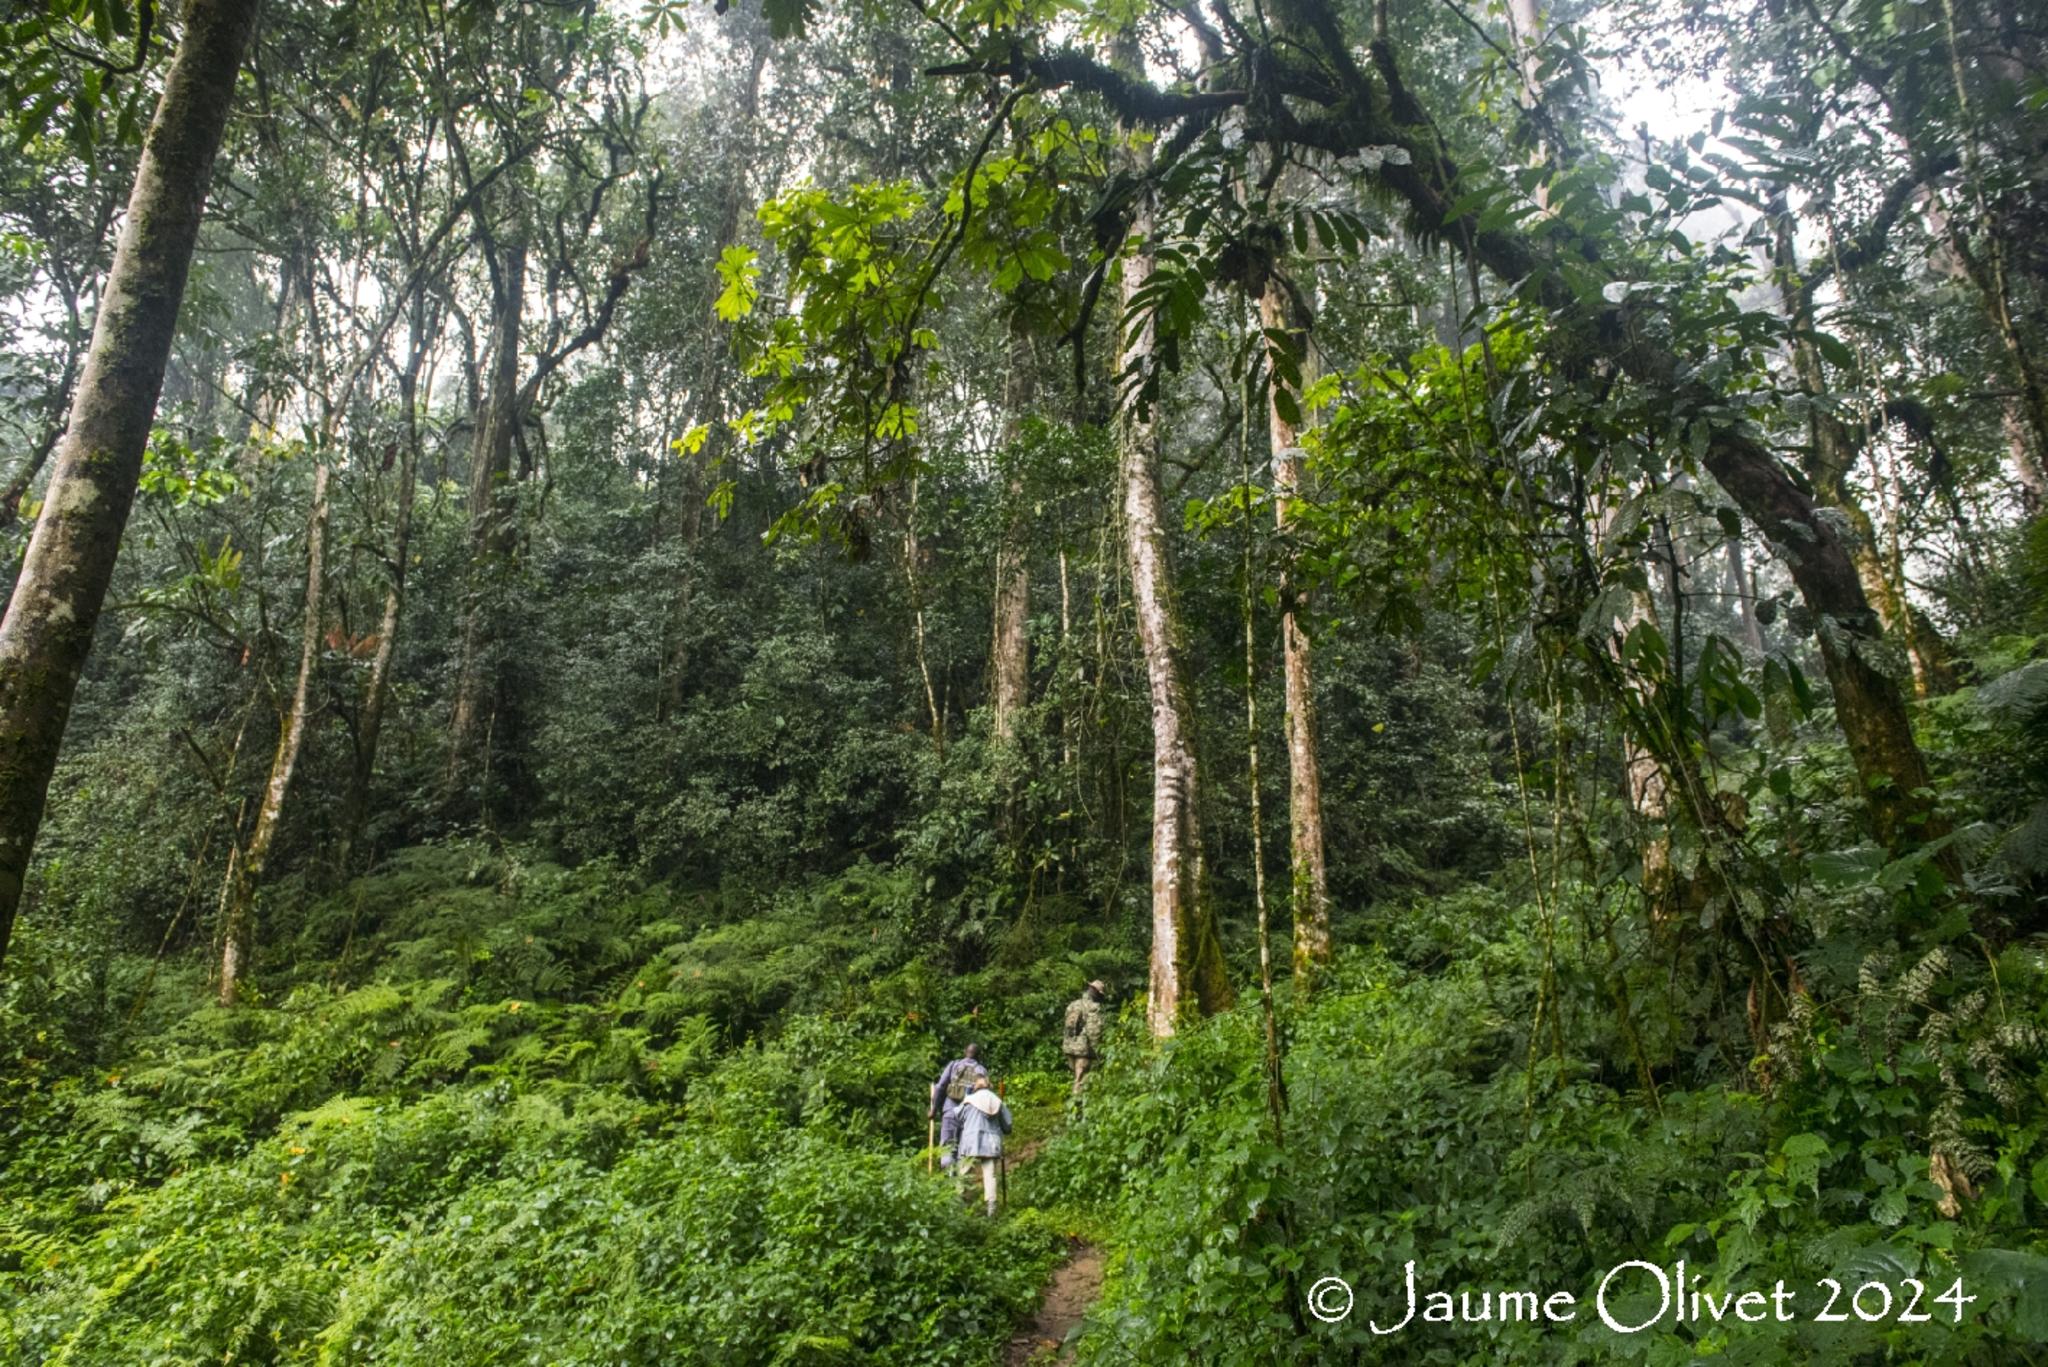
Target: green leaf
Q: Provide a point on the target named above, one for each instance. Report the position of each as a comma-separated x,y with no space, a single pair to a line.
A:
1845,868
788,18
1285,404
1835,350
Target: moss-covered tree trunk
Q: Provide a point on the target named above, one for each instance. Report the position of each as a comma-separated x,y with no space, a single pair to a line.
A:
1310,881
48,628
1010,648
1868,704
1187,973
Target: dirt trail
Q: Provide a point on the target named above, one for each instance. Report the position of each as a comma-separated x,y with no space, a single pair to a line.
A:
1068,1296
1028,1151
1075,1285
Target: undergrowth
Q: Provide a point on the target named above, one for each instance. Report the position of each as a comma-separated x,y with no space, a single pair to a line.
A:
1421,1127
526,1114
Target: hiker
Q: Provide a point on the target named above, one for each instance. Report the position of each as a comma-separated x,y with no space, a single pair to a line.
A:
948,1092
984,1120
1083,1038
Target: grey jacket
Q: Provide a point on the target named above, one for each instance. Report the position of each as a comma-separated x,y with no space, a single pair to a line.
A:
981,1136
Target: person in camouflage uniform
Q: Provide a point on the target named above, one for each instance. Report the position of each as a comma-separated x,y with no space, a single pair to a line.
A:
1081,1040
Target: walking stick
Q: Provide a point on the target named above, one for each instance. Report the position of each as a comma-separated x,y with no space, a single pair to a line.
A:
1003,1162
931,1143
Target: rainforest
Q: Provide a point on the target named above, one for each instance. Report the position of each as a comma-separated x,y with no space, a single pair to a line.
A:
798,682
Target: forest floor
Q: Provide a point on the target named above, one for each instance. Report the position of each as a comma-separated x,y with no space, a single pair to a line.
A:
1069,1294
1068,1297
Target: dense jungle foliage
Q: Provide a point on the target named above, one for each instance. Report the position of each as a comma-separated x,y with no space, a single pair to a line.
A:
596,589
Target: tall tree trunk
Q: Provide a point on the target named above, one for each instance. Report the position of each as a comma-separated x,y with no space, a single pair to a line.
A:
1069,723
492,526
2025,413
913,556
1985,267
246,863
1525,32
1187,971
1347,106
1926,654
1868,705
1010,651
2028,461
1648,779
1745,596
1648,753
377,692
48,628
1276,1092
1310,884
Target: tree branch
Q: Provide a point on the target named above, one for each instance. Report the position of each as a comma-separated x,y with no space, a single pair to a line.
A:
1133,100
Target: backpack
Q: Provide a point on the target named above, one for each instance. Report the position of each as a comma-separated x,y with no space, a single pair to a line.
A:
1077,1022
963,1083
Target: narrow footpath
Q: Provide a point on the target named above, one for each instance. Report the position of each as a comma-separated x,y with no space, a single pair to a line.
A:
1069,1295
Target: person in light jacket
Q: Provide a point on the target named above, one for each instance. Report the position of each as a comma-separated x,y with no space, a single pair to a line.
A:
984,1120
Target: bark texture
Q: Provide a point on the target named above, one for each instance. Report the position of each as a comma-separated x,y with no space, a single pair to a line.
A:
1868,704
1187,971
2028,465
1010,657
246,863
1310,881
48,628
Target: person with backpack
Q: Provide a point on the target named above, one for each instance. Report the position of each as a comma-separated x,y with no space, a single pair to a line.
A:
1082,1040
955,1082
984,1120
